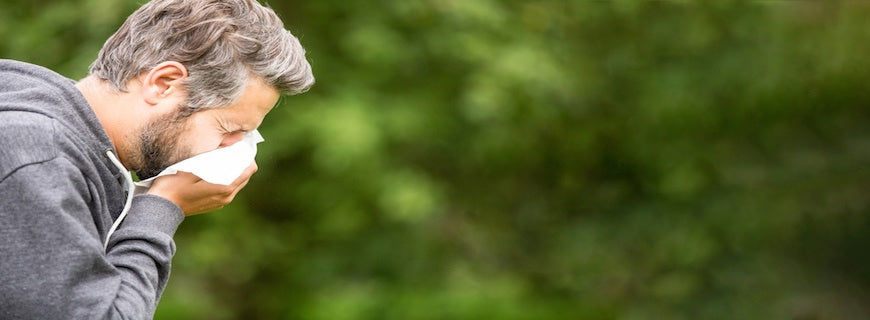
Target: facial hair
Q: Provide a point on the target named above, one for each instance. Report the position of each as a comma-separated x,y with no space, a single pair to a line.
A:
159,144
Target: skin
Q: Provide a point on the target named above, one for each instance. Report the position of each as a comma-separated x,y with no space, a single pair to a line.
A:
155,96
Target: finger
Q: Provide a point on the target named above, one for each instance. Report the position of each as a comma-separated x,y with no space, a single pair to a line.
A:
246,175
243,179
241,185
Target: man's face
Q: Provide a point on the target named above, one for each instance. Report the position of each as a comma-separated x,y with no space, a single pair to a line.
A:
174,137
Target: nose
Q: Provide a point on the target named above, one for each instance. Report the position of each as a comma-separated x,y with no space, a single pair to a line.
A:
231,138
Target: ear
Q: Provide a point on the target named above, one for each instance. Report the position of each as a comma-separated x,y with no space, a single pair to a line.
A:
162,81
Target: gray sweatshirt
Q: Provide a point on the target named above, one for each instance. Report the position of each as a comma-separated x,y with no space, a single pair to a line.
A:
59,196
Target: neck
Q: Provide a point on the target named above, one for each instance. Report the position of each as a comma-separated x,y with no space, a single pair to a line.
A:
109,106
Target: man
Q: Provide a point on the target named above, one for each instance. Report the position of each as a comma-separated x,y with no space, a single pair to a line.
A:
179,78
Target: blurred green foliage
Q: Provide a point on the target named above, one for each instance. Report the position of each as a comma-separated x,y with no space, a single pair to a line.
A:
538,159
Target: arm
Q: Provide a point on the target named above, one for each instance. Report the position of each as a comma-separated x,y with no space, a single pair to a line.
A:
52,263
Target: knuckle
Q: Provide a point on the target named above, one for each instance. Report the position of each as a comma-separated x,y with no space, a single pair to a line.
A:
226,192
225,202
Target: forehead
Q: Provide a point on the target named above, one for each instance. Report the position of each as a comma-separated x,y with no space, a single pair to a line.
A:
258,94
248,112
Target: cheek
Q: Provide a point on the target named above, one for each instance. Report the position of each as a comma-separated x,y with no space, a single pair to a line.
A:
201,141
202,134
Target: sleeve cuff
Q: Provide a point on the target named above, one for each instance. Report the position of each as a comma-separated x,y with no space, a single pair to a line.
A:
156,213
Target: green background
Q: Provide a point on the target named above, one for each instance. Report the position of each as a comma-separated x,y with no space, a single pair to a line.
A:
541,159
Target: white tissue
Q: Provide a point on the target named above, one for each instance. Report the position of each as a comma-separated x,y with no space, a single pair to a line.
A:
220,166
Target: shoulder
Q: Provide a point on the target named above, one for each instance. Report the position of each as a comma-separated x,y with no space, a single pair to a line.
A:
23,82
12,67
25,138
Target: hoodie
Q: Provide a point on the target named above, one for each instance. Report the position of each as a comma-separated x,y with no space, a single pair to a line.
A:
61,191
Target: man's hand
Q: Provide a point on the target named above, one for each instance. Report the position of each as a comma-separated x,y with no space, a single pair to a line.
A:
194,195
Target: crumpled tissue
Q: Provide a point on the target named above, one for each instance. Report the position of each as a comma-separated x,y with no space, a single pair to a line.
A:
220,166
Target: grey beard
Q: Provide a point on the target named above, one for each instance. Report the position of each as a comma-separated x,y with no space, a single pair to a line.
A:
159,144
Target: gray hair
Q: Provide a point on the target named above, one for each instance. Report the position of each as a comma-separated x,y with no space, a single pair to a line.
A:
222,43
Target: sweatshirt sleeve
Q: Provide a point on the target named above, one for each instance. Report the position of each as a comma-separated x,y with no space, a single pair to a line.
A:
52,262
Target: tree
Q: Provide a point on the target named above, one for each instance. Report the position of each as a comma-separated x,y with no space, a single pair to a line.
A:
535,159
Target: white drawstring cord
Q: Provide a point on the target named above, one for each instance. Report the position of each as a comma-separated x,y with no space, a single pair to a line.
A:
130,188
